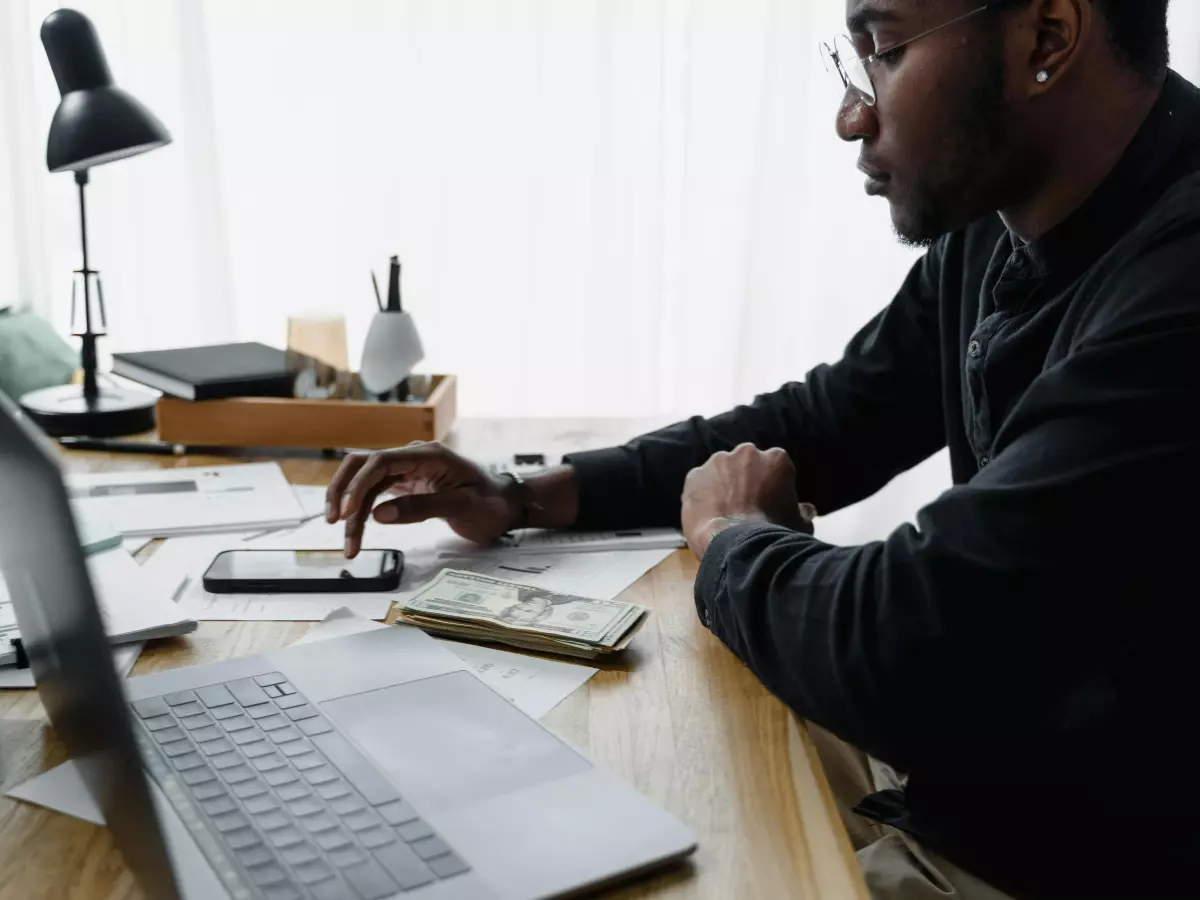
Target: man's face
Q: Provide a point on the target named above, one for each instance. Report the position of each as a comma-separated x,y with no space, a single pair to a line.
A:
935,144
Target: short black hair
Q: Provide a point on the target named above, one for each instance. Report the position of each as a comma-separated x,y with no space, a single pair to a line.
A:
1138,32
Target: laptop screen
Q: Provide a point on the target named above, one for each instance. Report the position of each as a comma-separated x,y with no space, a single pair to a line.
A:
69,654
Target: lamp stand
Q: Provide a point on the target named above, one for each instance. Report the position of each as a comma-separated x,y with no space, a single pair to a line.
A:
87,409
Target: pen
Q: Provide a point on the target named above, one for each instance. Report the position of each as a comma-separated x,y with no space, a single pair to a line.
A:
378,296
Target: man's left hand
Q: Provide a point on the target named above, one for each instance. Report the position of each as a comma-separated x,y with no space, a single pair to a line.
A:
745,485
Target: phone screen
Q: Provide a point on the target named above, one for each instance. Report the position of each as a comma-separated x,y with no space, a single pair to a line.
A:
301,565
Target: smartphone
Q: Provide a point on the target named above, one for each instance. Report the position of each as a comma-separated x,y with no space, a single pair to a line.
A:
303,572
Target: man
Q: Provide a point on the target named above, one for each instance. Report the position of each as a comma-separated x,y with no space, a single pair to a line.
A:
1018,664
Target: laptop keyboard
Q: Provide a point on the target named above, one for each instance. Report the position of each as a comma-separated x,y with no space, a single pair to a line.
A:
296,806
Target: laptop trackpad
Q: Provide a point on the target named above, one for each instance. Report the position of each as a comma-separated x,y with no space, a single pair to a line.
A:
451,741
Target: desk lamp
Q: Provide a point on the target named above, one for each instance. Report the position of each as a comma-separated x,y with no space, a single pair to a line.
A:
96,123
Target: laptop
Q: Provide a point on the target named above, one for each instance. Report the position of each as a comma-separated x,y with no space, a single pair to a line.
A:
359,768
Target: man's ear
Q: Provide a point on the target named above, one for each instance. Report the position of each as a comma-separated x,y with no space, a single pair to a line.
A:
1056,33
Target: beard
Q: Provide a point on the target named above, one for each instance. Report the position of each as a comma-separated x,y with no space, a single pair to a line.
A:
958,187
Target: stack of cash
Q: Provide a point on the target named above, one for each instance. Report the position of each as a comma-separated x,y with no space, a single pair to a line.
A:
477,608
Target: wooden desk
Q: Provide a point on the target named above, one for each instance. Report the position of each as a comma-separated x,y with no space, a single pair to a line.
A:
679,718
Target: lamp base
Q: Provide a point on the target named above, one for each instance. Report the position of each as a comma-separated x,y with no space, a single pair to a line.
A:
64,412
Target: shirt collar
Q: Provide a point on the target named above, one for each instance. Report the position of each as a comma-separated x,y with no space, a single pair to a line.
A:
1136,183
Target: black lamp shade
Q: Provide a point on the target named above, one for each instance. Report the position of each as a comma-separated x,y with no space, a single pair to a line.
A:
96,122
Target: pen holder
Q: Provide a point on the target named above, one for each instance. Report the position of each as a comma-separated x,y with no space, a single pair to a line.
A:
393,349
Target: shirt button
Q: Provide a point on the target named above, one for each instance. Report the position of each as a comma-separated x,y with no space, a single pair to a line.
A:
984,460
974,349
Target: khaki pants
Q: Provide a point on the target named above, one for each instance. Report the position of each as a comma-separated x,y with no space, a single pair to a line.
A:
893,864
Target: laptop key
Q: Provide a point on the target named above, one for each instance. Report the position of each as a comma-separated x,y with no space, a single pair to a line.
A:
246,692
224,758
269,763
333,790
404,865
261,712
191,723
180,698
305,806
159,723
272,690
428,848
177,748
270,678
255,856
285,837
344,806
286,688
237,774
248,789
212,748
148,709
356,768
375,838
272,820
187,710
280,777
332,840
370,880
300,854
225,712
313,872
218,805
283,735
320,775
206,790
230,821
291,792
414,831
237,723
308,760
242,840
448,866
362,820
304,711
187,761
198,775
287,701
214,695
313,727
207,733
298,748
346,856
249,736
261,748
322,821
167,735
397,813
263,803
267,875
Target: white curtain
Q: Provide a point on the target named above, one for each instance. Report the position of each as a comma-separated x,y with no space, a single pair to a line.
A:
604,207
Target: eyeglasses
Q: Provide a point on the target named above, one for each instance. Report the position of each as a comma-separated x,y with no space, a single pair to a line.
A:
855,71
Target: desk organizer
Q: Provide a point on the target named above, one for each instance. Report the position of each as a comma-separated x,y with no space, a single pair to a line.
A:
315,424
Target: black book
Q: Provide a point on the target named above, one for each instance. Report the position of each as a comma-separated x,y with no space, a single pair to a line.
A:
210,373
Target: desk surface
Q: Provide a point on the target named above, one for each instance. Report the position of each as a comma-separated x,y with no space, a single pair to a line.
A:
678,717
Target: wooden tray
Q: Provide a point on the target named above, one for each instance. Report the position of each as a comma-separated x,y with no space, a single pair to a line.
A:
317,424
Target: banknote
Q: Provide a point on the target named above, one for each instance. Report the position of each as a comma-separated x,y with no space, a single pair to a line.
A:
479,604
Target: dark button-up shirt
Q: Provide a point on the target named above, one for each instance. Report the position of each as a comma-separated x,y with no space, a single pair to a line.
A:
1026,651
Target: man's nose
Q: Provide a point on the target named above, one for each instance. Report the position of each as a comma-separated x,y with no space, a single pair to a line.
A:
856,121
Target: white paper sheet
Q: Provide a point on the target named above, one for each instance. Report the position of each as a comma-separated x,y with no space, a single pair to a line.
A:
532,684
61,790
130,604
177,567
188,500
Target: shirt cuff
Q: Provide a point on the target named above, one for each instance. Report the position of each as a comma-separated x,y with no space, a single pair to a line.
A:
712,569
608,488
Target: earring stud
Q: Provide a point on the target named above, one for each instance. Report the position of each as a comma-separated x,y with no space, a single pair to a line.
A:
1043,76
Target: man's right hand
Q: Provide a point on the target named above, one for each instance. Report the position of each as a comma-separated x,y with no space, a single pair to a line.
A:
430,481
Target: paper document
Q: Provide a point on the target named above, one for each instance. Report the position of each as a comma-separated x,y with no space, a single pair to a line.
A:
130,604
178,566
534,686
165,502
61,789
